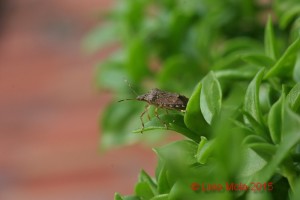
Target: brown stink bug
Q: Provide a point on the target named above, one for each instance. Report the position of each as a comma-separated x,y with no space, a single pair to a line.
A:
161,99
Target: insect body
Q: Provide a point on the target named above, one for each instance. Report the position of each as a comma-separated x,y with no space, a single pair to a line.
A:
164,99
161,99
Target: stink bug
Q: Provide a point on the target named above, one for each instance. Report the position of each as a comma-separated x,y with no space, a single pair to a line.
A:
161,99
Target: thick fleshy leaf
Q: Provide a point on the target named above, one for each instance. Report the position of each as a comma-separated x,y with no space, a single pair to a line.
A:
259,60
205,149
242,73
264,150
180,152
143,190
254,139
251,163
137,59
119,197
111,74
293,98
238,44
296,73
101,36
145,178
270,47
172,74
161,197
290,138
280,66
255,125
163,184
275,120
131,198
193,117
260,146
264,98
259,195
117,122
296,192
293,10
251,102
182,191
110,77
210,97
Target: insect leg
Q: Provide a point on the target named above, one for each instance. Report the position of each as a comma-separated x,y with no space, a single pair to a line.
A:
156,114
148,113
141,116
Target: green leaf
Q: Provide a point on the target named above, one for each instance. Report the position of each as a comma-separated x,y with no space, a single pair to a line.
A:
290,138
251,163
241,73
163,184
265,150
193,117
101,36
261,195
296,193
280,66
161,197
110,75
256,126
131,198
133,14
259,60
251,102
143,190
145,178
178,153
137,60
175,70
210,97
205,149
270,47
288,16
293,98
174,122
118,120
296,73
275,120
254,139
228,62
118,197
177,28
261,147
182,191
239,44
265,97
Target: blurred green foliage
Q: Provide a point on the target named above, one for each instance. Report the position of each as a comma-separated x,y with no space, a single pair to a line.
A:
241,70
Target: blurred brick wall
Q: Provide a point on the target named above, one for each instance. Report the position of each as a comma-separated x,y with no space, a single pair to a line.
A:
49,108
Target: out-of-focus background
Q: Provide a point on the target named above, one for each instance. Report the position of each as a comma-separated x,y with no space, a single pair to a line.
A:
49,108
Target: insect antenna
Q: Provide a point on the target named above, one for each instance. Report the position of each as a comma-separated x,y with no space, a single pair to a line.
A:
131,88
126,100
